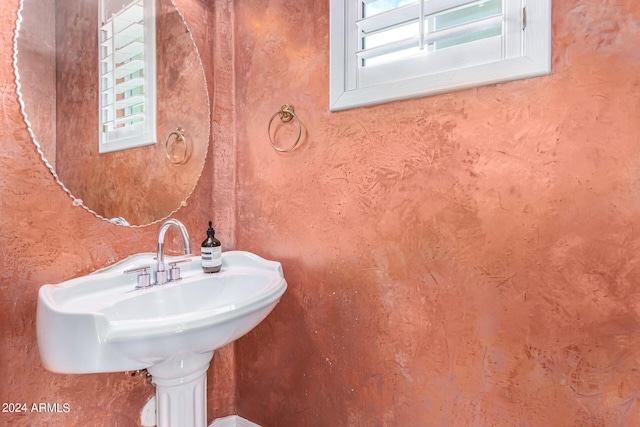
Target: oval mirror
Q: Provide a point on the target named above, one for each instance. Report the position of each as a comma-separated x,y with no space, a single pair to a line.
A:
114,95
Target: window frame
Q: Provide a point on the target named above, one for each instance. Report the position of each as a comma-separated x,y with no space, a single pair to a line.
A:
139,134
534,59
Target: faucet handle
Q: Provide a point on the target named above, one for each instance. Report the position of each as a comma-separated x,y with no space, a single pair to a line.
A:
174,271
144,278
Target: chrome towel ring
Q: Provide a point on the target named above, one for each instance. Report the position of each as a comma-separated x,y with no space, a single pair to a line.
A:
286,115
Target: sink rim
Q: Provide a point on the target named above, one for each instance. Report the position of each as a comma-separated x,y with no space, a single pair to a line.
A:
115,330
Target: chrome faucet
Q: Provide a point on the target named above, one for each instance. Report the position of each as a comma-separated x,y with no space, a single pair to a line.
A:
161,274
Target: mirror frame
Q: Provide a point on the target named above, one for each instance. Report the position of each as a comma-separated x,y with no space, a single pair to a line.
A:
75,200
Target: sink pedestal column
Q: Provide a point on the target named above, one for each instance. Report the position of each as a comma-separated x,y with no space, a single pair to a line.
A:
181,390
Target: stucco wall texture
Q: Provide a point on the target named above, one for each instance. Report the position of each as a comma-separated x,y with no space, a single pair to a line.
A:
469,259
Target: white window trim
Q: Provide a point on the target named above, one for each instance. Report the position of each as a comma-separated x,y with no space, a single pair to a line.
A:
535,60
144,133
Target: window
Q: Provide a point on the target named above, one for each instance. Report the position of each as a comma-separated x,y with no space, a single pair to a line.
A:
127,74
388,50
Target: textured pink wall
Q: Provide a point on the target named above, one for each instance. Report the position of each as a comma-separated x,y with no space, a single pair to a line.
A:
467,259
44,239
38,79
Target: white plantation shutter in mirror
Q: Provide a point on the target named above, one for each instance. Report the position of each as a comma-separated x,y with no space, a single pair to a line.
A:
127,74
386,50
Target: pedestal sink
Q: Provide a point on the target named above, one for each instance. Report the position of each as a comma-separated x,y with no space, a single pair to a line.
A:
102,323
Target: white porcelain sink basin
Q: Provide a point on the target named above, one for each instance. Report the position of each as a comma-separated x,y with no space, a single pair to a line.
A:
101,323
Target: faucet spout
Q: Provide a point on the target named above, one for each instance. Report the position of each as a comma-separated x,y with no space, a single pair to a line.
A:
161,274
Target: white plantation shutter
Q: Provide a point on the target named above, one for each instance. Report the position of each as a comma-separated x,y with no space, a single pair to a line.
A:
386,50
127,74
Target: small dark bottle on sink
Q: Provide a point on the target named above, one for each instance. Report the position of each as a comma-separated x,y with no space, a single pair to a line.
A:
211,252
